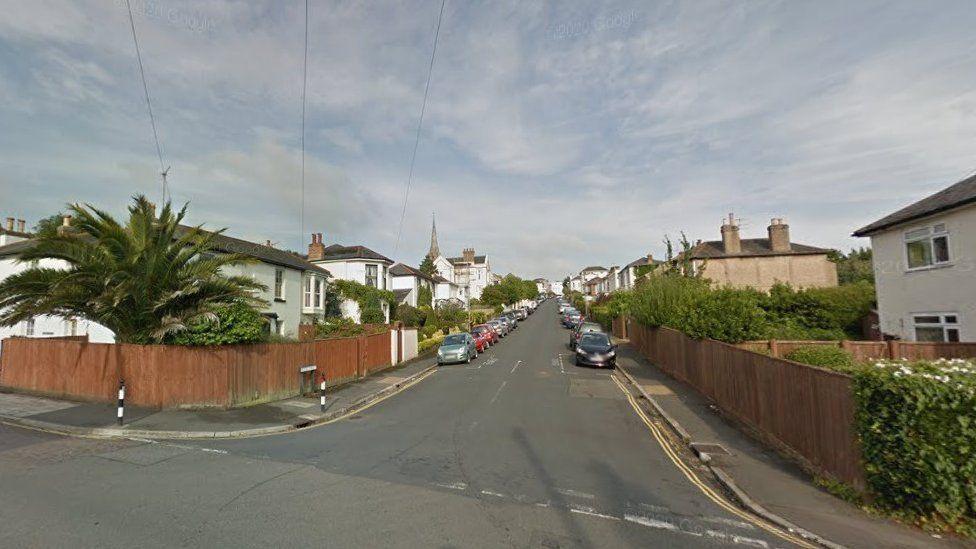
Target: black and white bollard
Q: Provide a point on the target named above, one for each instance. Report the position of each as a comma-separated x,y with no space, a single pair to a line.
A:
322,395
121,399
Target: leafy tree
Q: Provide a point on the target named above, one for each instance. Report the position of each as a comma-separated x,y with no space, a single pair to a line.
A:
857,266
237,323
144,279
680,264
424,296
49,225
411,317
427,266
566,285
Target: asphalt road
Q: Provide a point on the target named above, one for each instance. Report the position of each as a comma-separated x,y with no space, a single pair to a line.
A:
519,449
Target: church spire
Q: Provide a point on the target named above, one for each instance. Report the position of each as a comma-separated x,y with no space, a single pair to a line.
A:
434,250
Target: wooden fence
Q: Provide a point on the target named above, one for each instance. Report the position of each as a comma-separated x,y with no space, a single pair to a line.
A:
172,376
807,411
870,350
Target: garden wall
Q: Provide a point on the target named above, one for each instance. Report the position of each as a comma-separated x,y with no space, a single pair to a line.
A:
173,376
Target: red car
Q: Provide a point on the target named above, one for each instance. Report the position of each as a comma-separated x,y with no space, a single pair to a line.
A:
484,336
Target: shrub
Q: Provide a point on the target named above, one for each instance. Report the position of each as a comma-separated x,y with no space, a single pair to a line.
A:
429,343
338,327
372,314
411,317
424,296
918,435
726,315
237,323
824,356
833,310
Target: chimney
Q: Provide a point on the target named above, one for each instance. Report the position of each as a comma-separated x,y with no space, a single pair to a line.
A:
779,235
316,250
21,226
65,225
10,224
650,259
468,255
730,236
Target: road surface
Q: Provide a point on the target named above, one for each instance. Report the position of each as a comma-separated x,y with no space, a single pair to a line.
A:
519,449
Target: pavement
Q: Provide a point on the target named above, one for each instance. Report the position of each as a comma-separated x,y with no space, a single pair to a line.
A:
771,482
99,419
521,448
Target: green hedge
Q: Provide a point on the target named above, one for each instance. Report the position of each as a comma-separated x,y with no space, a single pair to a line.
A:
917,424
234,324
824,356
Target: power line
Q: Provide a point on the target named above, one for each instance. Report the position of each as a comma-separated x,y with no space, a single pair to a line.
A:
163,171
301,232
420,123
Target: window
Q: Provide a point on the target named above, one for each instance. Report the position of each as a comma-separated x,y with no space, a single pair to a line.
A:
307,294
318,293
384,277
927,247
279,284
72,327
371,276
936,327
29,329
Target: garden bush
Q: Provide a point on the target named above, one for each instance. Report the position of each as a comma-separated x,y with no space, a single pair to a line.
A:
824,356
235,324
372,314
917,425
411,317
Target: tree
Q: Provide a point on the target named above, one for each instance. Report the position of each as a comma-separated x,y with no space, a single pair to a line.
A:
144,280
49,225
427,266
424,296
854,267
680,264
566,285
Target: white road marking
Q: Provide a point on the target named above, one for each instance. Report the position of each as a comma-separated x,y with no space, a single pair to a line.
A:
453,486
590,512
495,494
644,521
498,392
736,539
575,494
728,522
180,446
517,364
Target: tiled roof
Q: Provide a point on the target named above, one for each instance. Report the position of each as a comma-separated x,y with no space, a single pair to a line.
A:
590,269
401,269
16,247
440,279
401,295
267,254
478,260
751,247
336,252
960,194
640,262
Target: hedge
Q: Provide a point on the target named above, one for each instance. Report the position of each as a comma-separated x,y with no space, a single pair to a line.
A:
824,356
917,424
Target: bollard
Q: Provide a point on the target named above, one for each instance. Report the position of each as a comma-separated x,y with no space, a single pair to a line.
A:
322,394
121,400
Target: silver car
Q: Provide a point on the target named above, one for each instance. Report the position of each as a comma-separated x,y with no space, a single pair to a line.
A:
457,348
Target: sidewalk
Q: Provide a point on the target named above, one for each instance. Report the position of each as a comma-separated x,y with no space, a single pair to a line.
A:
98,419
778,486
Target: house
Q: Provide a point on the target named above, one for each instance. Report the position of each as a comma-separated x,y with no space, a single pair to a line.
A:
469,274
356,263
611,282
593,285
762,262
11,233
628,275
542,285
407,281
589,273
295,289
923,266
576,284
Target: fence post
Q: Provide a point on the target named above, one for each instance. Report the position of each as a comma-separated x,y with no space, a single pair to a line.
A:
773,348
894,350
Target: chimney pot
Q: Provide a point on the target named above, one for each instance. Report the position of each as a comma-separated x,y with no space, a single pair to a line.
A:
10,223
316,250
731,243
779,235
21,226
66,221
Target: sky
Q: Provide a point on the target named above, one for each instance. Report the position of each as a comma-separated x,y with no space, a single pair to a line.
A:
557,135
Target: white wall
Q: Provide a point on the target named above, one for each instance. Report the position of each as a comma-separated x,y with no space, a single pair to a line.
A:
943,289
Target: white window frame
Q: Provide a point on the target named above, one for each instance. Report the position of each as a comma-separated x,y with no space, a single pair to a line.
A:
279,285
376,275
318,296
944,323
931,232
30,327
307,292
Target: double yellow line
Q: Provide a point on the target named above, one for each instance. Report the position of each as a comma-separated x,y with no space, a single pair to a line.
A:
717,498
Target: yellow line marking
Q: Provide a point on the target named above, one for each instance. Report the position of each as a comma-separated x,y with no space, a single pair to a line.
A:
693,477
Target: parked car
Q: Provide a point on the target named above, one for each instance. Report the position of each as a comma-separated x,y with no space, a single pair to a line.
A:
581,329
595,349
482,338
492,332
504,325
566,317
513,318
520,314
572,319
457,348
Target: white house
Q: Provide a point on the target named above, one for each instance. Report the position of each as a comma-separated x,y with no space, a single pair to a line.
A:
576,284
543,286
469,274
407,282
628,274
356,263
295,290
925,266
12,232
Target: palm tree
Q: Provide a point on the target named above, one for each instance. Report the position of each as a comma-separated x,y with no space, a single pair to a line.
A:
143,280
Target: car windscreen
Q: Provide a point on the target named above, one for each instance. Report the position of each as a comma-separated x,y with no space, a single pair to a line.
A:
456,339
595,340
478,331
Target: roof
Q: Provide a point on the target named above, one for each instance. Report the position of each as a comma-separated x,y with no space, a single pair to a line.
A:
337,252
751,247
401,294
266,254
478,259
960,194
591,269
221,243
440,279
12,232
401,269
642,261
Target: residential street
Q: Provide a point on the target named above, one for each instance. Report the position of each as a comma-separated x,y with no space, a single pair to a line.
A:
520,448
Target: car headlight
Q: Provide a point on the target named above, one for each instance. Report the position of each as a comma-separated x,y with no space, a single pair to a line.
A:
612,353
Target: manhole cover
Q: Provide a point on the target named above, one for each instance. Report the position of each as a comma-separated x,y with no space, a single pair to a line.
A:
710,448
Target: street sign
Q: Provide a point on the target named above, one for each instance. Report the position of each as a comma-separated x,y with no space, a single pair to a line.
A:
309,368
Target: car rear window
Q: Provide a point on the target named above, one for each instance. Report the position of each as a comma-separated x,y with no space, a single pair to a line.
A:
594,338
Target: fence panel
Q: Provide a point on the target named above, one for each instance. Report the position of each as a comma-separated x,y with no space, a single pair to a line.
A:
338,358
377,352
